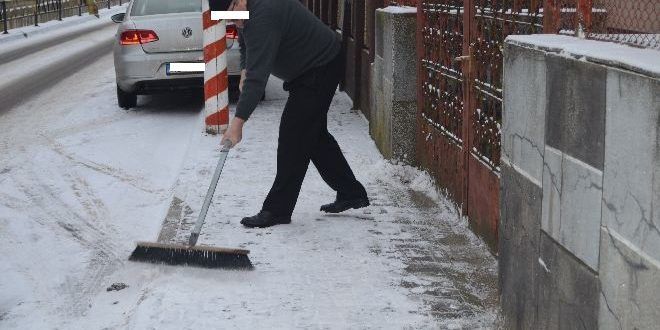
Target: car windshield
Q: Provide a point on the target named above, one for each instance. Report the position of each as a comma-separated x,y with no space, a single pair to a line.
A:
156,7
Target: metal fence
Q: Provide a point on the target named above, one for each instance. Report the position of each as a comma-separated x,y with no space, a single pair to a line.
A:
354,21
632,22
459,45
20,13
459,48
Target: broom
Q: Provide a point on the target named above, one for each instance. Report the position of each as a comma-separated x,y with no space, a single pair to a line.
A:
191,255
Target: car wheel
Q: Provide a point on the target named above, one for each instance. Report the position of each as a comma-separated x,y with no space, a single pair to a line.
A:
126,100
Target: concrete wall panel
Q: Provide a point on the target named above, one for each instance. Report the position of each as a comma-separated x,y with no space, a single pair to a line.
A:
569,291
631,196
520,225
572,195
630,295
600,210
579,227
524,109
575,121
552,189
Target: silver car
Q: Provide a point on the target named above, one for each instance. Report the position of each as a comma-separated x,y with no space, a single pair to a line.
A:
155,36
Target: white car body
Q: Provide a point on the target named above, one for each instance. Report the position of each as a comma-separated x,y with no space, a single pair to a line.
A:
141,68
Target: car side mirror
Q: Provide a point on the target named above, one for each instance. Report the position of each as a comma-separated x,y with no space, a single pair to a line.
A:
118,18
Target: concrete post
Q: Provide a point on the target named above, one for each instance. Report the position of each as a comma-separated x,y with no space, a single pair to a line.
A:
394,83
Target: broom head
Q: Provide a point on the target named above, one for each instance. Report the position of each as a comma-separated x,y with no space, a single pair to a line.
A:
196,256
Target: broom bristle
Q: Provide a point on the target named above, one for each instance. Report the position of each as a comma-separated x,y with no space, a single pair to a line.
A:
197,256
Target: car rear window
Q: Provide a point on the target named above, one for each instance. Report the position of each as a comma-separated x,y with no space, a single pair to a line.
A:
155,7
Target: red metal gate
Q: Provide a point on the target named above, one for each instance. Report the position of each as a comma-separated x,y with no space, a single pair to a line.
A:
460,97
459,45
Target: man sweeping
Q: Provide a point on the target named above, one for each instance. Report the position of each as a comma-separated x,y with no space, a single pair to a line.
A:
285,39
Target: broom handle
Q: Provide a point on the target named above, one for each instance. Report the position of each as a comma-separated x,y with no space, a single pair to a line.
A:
209,194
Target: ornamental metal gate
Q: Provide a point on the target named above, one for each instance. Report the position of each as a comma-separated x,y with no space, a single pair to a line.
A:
459,45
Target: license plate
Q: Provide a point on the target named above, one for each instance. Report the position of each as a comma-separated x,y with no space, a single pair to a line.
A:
184,68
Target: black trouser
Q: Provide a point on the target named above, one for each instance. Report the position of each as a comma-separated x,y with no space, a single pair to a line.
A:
304,136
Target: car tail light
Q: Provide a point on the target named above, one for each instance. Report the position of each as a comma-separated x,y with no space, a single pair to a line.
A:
232,31
134,37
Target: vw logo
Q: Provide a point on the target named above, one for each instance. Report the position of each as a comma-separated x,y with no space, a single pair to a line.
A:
187,32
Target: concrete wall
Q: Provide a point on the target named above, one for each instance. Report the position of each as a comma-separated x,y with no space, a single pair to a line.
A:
393,84
580,205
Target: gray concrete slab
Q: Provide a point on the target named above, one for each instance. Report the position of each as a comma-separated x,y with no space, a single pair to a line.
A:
575,119
631,196
520,225
523,132
581,210
568,289
552,189
630,294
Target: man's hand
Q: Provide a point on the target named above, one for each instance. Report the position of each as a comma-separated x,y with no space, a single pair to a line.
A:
240,83
235,131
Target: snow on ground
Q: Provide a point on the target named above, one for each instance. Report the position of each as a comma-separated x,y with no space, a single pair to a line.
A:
53,29
81,180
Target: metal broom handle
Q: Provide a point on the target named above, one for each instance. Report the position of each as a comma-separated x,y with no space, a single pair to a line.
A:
226,145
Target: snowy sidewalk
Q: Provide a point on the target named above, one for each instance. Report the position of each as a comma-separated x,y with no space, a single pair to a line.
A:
89,179
406,261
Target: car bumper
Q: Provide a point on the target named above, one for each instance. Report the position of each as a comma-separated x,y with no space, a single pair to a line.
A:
137,71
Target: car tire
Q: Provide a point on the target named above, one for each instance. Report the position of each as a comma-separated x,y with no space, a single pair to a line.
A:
126,100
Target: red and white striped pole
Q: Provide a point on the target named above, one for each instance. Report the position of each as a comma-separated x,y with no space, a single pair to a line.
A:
216,106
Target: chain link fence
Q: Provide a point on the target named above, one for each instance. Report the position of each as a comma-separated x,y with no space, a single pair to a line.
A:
631,22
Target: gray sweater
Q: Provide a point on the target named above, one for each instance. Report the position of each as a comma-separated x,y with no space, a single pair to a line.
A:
283,38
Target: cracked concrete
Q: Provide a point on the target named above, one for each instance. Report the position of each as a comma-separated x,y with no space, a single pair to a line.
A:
600,242
629,278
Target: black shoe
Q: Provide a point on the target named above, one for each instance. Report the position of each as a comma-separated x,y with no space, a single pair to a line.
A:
343,205
265,219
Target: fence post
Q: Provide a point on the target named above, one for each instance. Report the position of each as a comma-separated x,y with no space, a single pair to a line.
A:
59,10
4,17
345,35
550,17
358,39
108,4
334,6
324,11
371,11
36,13
80,8
468,97
583,27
